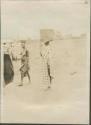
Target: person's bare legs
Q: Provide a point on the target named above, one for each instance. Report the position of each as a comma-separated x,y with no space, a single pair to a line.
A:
21,84
28,77
48,68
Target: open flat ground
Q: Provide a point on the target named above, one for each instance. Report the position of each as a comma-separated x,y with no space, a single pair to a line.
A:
67,101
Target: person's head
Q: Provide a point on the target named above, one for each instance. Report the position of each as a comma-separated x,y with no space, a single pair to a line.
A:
23,44
4,43
47,42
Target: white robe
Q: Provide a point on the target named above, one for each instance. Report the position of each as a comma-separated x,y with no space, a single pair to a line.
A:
47,57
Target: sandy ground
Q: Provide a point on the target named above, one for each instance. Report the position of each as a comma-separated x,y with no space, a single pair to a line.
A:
68,99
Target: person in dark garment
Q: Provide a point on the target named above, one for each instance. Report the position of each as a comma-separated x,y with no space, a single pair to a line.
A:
8,68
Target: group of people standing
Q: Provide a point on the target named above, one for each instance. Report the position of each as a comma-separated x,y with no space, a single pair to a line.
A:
25,60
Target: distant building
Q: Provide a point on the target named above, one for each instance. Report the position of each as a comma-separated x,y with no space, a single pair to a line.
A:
83,35
68,36
47,34
58,35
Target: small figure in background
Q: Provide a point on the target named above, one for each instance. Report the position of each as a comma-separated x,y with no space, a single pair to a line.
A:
24,63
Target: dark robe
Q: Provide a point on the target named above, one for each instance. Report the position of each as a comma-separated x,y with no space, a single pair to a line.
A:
8,69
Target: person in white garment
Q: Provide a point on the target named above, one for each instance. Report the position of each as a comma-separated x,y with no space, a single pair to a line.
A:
46,54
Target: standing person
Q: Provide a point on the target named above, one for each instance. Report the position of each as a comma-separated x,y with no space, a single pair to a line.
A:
8,66
46,55
24,63
11,50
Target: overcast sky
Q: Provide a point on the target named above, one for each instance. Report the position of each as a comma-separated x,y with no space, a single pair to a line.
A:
24,19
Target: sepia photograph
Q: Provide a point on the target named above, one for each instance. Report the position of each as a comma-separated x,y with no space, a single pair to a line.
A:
45,61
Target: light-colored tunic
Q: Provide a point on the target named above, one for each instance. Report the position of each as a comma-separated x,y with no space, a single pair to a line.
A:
46,53
24,63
